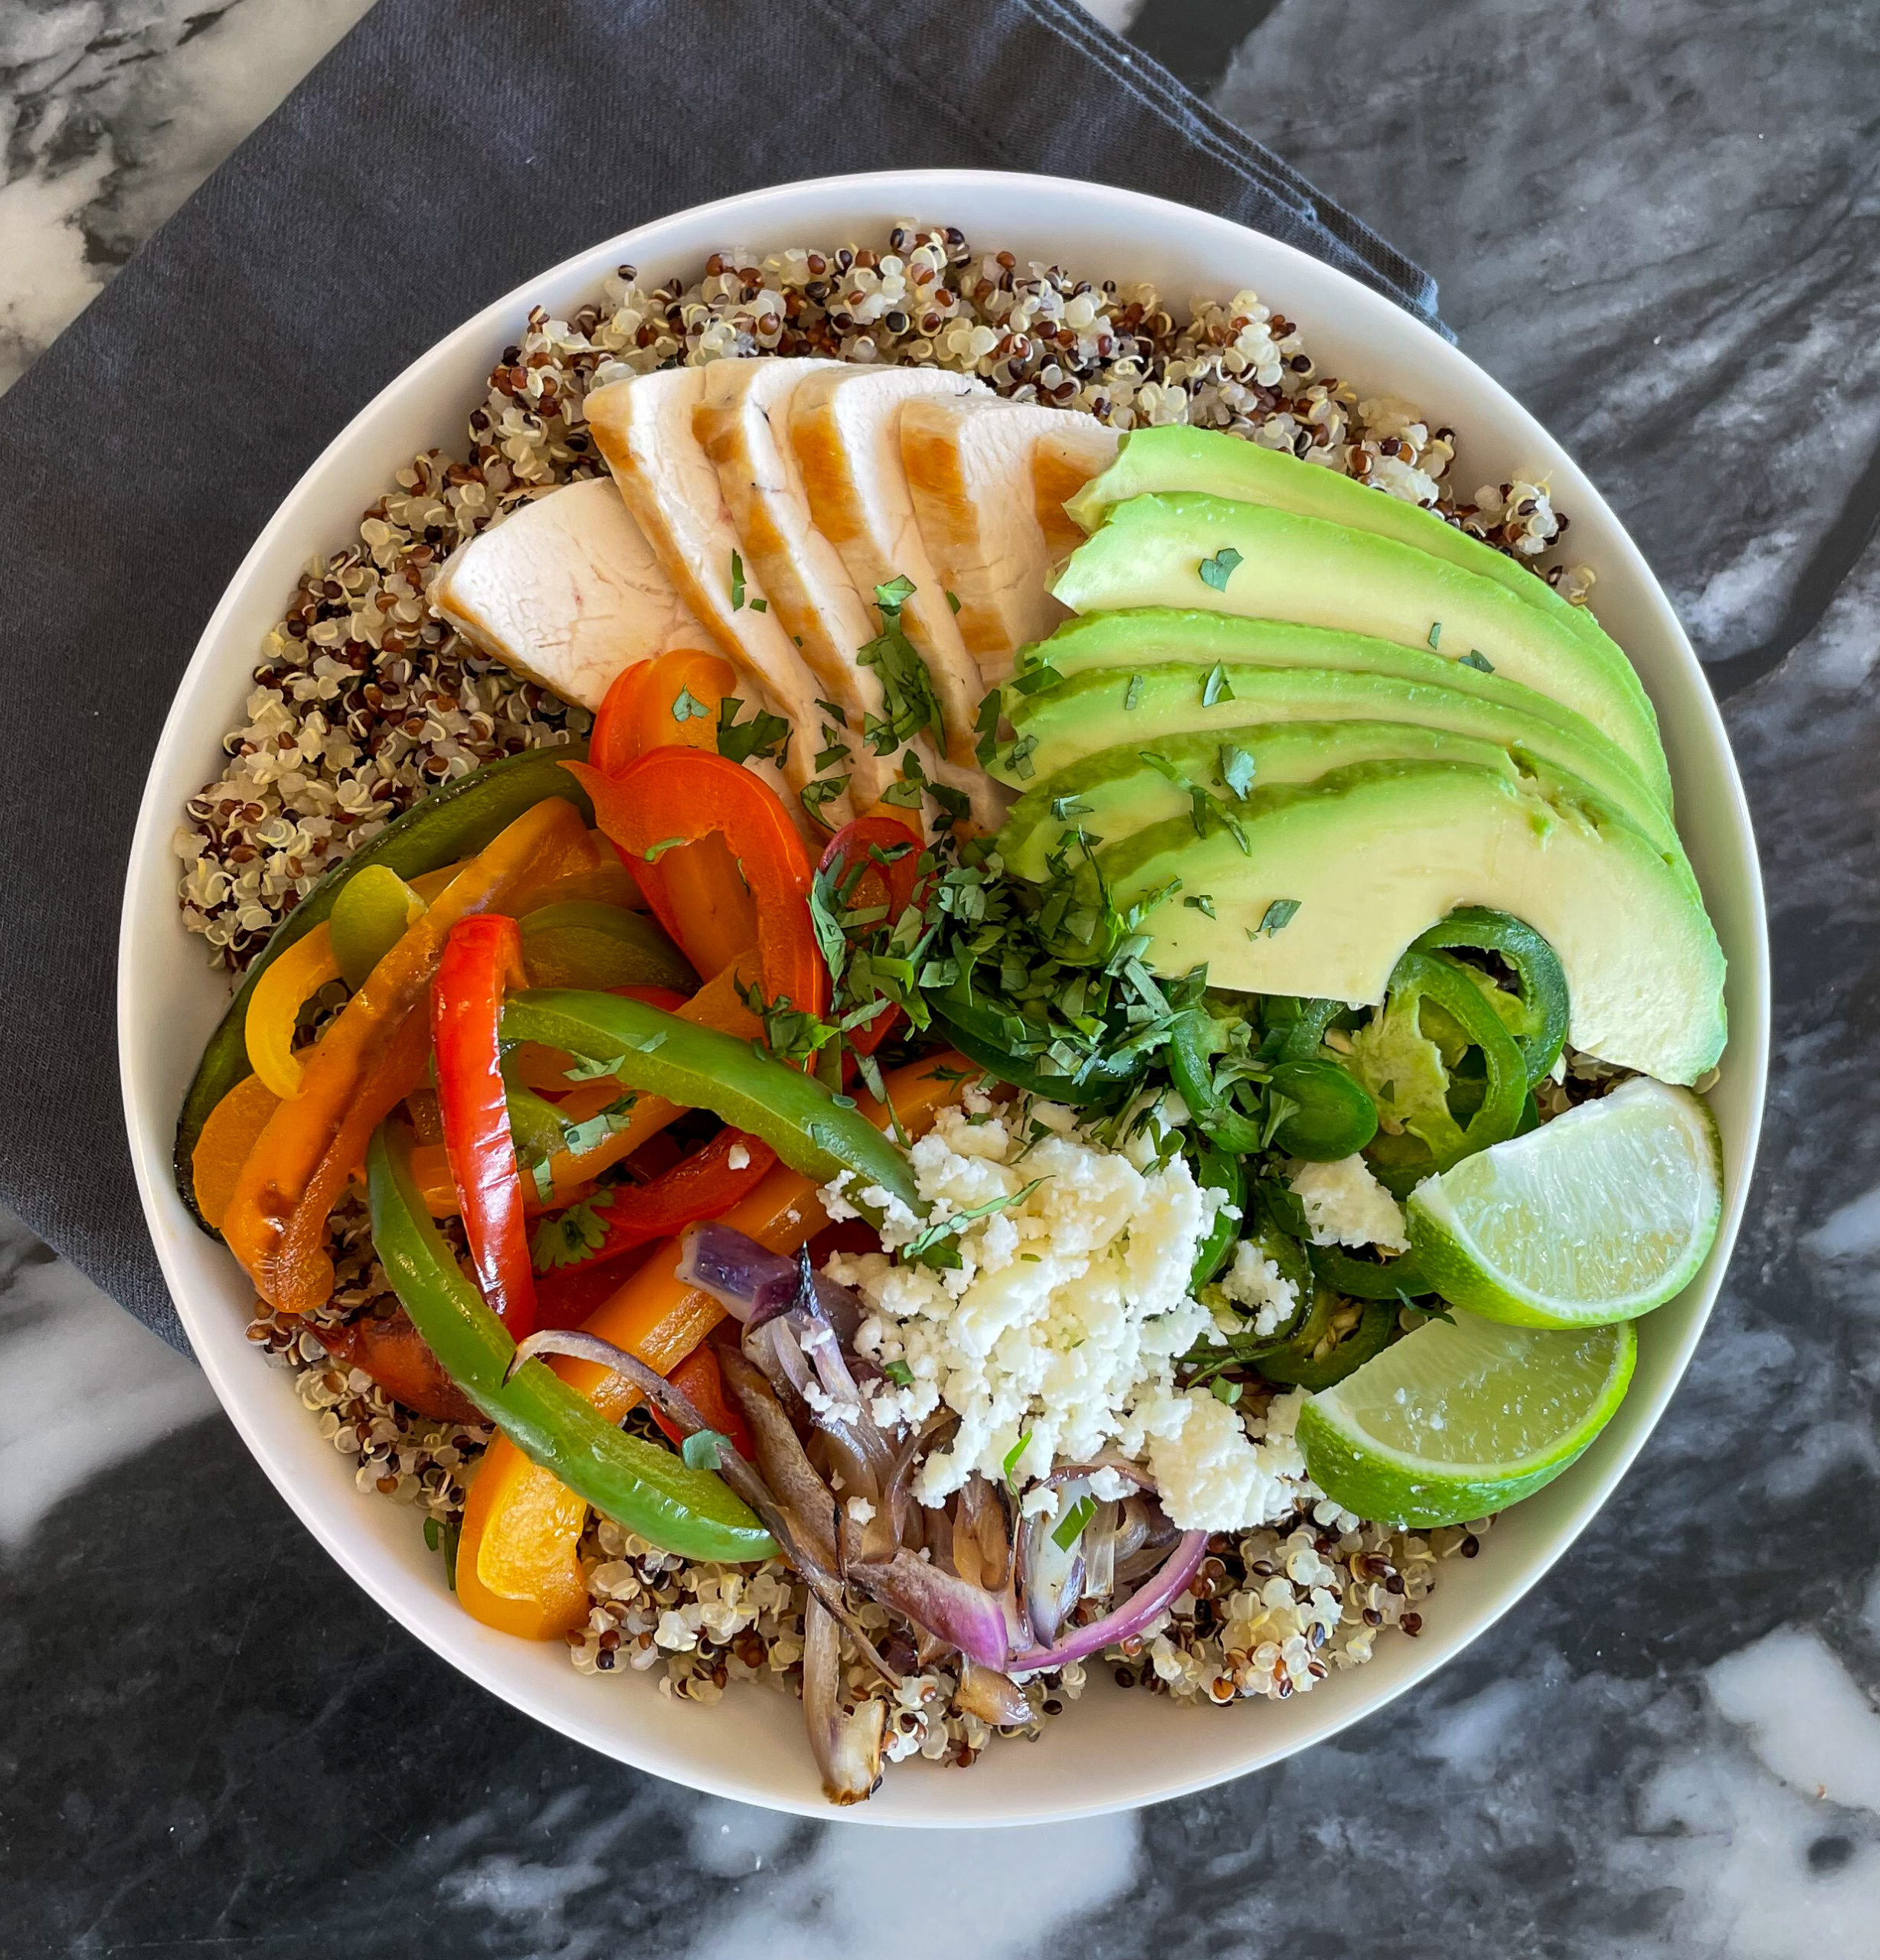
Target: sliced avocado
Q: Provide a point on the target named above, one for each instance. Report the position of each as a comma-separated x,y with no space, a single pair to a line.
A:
1158,462
1118,792
1272,564
1338,877
1091,711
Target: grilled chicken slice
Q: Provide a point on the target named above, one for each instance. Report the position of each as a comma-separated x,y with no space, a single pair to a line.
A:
844,426
644,427
742,421
566,590
989,479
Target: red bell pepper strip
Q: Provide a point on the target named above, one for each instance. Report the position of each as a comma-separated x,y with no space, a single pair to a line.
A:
393,1353
675,795
482,958
862,883
700,1379
703,1185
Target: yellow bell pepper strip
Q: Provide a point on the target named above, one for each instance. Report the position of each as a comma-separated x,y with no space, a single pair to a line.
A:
274,1009
452,823
482,958
370,916
370,1057
518,1567
813,1131
227,1138
646,1489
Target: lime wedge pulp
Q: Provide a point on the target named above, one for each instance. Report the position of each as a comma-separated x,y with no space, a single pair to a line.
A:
1601,1215
1464,1417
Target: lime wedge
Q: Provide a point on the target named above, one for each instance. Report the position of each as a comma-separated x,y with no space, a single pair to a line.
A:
1601,1215
1463,1418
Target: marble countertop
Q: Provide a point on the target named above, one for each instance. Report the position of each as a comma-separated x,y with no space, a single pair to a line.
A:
1659,225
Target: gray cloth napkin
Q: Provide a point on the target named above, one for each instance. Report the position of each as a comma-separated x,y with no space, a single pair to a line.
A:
443,152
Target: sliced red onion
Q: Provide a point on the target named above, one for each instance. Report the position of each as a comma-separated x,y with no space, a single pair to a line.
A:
847,1746
1143,1538
1129,1618
982,1541
1099,1551
941,1603
995,1698
751,1282
1050,1575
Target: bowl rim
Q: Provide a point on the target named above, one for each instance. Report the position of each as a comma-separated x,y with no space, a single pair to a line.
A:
150,872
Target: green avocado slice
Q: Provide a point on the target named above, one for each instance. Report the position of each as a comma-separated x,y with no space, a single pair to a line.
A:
1092,711
1338,877
1263,563
1158,462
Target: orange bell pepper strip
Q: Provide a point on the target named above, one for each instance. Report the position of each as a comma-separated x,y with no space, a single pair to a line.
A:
482,959
518,1567
393,1353
369,1060
676,796
227,1138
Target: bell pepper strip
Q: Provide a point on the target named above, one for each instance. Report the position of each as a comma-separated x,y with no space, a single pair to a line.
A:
483,960
980,1033
676,796
701,1069
577,943
372,1055
392,1353
700,1380
676,704
613,742
227,1138
370,917
571,1296
643,1488
519,1564
703,1185
274,1009
452,823
1540,981
1432,1138
871,867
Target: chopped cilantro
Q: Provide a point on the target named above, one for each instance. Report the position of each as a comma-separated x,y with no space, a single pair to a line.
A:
665,844
1436,635
1478,660
1064,808
891,597
1018,756
985,726
1035,680
704,1449
932,1246
953,600
824,790
590,1135
761,606
1224,1390
1017,1450
1215,687
689,707
1133,693
838,716
1201,902
906,687
1277,915
899,1373
567,1238
1236,770
1070,1527
764,736
737,582
1216,571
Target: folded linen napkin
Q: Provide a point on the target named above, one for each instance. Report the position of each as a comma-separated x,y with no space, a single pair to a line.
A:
444,150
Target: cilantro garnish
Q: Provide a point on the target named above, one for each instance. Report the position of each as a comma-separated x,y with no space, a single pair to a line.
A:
1478,660
899,1373
704,1449
952,601
765,736
590,1136
1201,902
1236,770
1018,756
932,1247
985,726
1277,915
1064,808
838,715
761,606
1217,570
1070,1527
1436,635
824,790
906,687
567,1238
1215,687
737,582
1017,1450
1133,693
689,707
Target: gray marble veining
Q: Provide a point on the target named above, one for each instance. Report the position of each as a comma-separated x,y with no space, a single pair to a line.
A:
1656,221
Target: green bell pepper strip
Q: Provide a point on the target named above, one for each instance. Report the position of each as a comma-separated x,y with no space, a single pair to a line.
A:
1215,1170
1369,1279
1335,1117
700,1068
455,821
979,1034
642,1486
1540,981
1401,1162
1294,1365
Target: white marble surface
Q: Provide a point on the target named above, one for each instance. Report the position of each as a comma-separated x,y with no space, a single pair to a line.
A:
1657,221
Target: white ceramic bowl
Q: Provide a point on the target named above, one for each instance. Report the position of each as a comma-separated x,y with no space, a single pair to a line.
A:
1114,1749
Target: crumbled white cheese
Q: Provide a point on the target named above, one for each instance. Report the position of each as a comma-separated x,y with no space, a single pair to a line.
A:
737,1157
1346,1206
1056,1335
860,1510
1255,1282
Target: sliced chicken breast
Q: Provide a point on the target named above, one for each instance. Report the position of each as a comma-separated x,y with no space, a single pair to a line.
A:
988,480
844,426
566,590
644,427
